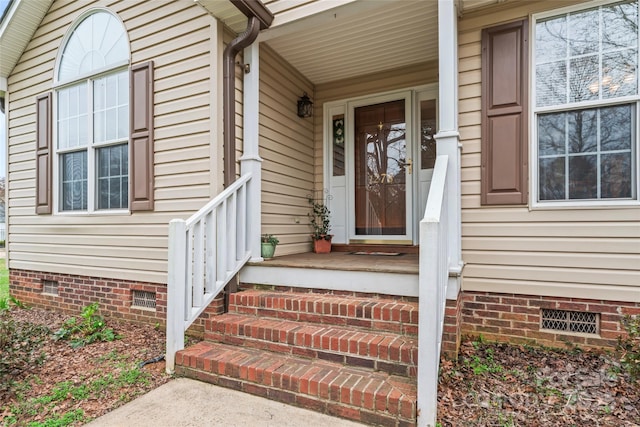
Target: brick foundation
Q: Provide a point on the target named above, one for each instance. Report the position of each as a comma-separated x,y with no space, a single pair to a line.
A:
500,317
452,327
115,297
516,318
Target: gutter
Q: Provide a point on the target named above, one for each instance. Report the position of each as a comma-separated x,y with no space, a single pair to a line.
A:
260,18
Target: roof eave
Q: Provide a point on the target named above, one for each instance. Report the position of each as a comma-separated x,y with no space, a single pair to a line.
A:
16,30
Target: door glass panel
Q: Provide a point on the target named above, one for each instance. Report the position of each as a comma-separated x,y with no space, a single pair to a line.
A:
338,145
381,162
427,132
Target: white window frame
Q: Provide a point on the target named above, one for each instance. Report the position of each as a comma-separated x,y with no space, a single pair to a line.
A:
535,111
90,147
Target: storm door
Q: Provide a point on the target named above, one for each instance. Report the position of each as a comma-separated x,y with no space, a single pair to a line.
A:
382,175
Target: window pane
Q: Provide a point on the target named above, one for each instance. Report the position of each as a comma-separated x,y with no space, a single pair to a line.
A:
551,39
73,139
123,88
616,130
583,131
63,104
98,41
112,177
583,32
583,78
111,112
620,26
552,179
99,126
599,47
123,122
551,134
72,121
583,177
427,134
619,73
99,95
111,123
73,101
616,176
112,91
74,181
551,84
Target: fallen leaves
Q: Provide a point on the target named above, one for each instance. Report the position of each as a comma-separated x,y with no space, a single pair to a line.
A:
84,383
511,385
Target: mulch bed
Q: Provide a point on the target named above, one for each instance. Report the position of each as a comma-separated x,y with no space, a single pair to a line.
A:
510,385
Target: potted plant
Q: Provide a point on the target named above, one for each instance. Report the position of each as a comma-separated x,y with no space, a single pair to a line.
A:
268,245
319,220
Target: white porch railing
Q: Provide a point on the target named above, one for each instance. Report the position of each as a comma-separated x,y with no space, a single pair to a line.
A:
433,277
205,253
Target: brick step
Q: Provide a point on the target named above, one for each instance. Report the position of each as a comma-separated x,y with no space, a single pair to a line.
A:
392,353
359,394
374,313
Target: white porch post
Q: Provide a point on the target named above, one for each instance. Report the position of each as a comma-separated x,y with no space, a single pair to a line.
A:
250,160
176,305
448,138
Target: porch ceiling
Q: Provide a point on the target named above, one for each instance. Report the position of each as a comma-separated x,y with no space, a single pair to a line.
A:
328,40
348,43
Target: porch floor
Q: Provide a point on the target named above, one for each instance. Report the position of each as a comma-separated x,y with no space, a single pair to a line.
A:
347,261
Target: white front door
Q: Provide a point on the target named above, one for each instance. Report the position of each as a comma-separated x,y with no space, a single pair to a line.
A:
379,154
381,171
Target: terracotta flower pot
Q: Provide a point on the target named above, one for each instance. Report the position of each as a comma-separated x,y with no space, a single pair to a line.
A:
322,246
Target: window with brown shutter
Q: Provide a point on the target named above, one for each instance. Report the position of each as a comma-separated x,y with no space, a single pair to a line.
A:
504,114
103,127
43,154
141,136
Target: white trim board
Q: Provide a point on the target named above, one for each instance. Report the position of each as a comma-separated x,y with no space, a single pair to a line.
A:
400,284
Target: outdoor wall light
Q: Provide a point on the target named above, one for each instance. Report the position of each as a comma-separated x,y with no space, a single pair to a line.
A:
305,106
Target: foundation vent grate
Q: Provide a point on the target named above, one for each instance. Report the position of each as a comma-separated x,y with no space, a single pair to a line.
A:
581,322
50,287
144,299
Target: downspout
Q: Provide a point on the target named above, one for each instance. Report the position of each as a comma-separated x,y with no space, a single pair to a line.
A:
259,19
229,86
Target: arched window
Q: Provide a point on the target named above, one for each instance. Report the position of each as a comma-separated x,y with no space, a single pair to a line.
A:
92,116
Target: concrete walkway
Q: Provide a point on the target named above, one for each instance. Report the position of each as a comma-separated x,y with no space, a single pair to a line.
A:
185,403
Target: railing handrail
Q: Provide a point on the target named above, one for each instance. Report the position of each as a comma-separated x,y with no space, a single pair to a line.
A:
432,279
216,201
433,209
205,252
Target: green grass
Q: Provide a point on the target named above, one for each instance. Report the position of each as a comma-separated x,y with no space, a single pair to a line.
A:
124,383
4,280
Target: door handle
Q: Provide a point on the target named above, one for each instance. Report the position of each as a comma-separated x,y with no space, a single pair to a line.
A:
409,164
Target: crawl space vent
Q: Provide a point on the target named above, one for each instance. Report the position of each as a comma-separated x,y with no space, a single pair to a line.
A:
50,287
144,299
581,322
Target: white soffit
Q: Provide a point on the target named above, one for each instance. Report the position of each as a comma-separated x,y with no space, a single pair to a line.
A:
469,5
328,40
385,35
17,28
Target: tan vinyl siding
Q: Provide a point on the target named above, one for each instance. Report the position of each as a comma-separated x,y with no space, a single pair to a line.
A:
590,253
177,36
286,147
406,77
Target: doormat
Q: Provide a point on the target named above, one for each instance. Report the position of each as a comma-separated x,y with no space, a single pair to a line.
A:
377,253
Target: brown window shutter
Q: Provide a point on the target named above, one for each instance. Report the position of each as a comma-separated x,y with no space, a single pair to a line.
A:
504,114
44,153
141,137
